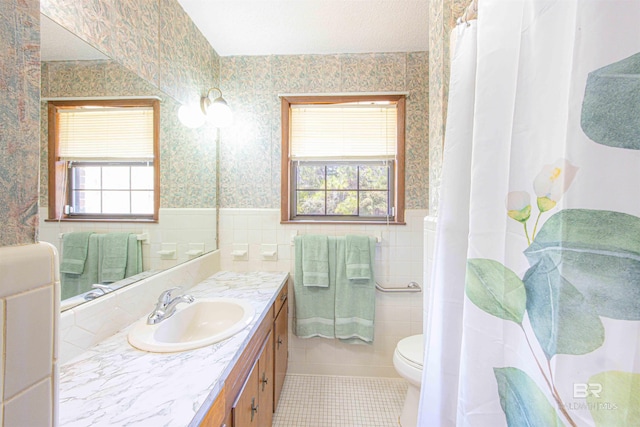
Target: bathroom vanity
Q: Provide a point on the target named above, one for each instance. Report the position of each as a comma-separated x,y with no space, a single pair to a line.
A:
235,382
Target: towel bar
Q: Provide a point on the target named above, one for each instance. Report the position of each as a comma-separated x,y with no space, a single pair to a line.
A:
411,287
378,237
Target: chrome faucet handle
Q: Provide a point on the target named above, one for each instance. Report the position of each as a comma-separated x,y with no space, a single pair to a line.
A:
104,288
165,297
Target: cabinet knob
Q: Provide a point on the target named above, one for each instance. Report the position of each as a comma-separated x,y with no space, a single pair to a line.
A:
279,341
265,380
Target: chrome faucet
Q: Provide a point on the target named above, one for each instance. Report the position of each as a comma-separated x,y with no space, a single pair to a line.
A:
99,291
166,306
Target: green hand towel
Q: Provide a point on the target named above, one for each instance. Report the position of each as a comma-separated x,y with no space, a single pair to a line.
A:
134,256
315,261
358,264
75,284
114,257
355,300
74,252
314,306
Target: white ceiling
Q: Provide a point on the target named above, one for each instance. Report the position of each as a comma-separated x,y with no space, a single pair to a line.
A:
290,27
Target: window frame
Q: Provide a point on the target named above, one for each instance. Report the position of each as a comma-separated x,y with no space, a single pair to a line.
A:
287,210
58,172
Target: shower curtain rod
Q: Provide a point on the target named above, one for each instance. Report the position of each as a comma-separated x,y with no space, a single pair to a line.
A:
470,13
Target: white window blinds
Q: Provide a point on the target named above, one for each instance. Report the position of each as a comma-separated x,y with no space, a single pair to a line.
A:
347,131
106,133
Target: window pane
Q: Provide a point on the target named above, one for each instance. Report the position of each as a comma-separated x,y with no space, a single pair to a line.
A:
342,177
310,177
115,177
86,177
373,203
86,202
116,202
310,203
142,178
342,202
374,177
142,202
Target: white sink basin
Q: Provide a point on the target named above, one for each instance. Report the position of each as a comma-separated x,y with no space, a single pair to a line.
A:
203,322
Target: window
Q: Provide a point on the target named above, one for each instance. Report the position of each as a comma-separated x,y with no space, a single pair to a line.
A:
103,160
343,158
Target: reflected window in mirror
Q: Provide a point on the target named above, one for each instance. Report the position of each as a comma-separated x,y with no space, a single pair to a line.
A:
104,160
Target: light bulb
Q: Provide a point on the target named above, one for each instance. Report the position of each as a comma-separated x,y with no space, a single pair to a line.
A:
219,114
191,116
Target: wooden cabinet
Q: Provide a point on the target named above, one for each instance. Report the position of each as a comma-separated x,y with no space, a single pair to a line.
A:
265,383
245,410
251,391
281,350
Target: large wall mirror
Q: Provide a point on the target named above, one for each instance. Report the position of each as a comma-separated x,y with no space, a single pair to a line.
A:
187,221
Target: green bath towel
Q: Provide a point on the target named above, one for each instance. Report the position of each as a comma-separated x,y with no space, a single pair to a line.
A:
314,305
355,300
114,257
315,260
74,252
134,256
358,262
75,284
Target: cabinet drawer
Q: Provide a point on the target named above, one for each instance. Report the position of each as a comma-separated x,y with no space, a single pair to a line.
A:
280,299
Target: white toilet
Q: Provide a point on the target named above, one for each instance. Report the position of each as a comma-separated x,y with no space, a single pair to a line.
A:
408,359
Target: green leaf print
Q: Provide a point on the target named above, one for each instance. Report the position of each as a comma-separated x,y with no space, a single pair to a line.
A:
522,401
614,399
563,321
598,252
495,289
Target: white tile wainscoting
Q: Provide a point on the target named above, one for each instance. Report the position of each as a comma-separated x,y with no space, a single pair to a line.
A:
181,227
399,260
90,323
29,313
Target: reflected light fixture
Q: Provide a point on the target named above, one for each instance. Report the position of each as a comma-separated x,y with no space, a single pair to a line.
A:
215,110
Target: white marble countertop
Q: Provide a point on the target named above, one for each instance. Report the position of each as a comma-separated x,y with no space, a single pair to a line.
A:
114,384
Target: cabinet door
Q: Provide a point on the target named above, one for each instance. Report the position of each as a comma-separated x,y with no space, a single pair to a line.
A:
265,383
245,410
281,353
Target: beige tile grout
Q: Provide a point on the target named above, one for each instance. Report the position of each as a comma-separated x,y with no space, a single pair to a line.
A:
328,401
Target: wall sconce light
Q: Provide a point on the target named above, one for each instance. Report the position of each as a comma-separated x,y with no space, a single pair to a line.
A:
214,110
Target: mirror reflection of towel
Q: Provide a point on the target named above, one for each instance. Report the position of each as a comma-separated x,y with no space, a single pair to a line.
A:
75,247
114,257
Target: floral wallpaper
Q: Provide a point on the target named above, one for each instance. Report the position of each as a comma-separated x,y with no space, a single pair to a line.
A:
155,39
442,16
250,148
19,117
187,156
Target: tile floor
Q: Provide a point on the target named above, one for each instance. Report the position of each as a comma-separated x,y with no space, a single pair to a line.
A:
324,401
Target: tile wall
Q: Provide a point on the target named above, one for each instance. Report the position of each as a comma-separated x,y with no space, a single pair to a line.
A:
86,325
185,228
399,260
29,313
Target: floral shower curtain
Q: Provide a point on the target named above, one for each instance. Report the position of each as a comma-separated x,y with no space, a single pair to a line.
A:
534,318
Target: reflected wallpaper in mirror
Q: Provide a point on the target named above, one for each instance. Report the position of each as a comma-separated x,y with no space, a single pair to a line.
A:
188,215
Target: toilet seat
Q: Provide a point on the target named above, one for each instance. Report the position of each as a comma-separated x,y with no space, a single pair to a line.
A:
408,358
411,349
